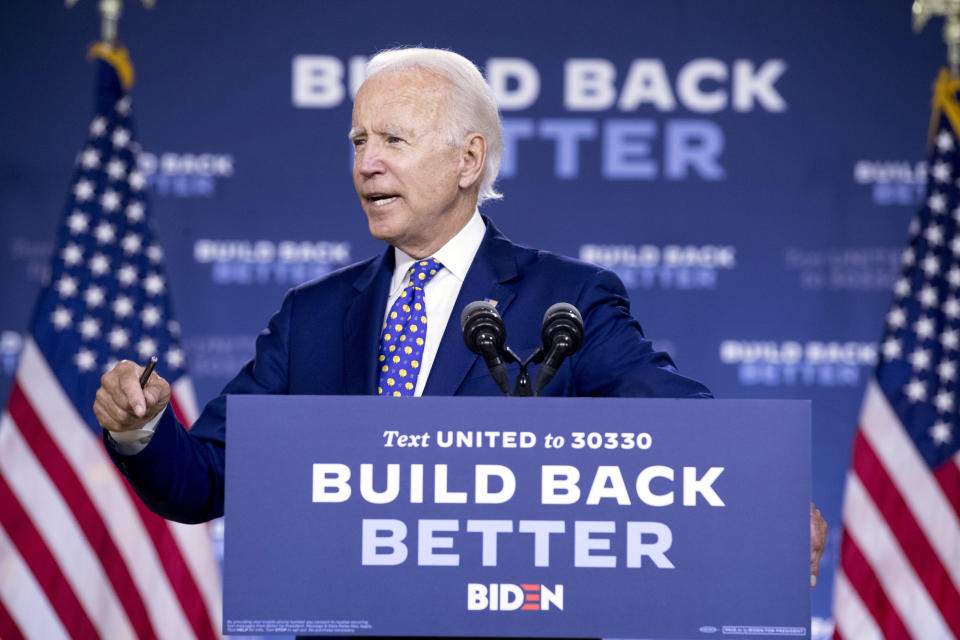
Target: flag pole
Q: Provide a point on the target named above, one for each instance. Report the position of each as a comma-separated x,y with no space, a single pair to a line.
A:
110,11
923,10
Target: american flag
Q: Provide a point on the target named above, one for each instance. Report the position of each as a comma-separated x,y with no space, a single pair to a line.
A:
80,556
899,573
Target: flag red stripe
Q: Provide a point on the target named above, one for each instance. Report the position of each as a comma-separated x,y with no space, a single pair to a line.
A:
911,537
837,635
8,626
948,477
864,581
178,573
59,471
43,565
178,411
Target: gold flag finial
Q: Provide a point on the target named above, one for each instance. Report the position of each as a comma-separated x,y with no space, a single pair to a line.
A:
110,11
923,10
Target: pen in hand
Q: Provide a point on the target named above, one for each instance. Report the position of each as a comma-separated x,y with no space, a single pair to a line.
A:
147,371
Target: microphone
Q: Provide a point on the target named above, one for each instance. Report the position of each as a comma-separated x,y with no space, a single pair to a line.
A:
485,334
562,335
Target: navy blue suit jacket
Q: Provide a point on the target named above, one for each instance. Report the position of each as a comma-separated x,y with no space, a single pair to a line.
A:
325,337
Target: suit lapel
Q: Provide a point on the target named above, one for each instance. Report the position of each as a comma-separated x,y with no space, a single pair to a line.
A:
362,324
493,266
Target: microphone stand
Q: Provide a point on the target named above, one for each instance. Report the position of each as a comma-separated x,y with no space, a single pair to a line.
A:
522,387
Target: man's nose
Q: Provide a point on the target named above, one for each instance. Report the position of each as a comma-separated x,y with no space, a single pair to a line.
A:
368,161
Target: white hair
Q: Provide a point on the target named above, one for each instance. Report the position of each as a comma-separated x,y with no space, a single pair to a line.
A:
473,108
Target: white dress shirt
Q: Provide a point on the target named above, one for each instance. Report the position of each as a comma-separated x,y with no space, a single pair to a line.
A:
440,295
441,292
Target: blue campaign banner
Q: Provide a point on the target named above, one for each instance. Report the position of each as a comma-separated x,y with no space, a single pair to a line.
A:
511,517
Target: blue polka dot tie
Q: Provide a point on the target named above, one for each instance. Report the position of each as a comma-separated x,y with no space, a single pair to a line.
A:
404,333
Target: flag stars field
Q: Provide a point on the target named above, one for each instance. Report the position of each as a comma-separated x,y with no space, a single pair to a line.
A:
72,255
120,138
153,284
90,158
89,328
924,319
83,190
78,222
110,201
85,360
122,307
61,318
146,347
105,233
944,141
940,171
934,235
920,359
116,170
123,106
901,288
944,401
950,339
937,203
150,316
66,286
175,358
947,370
941,433
891,348
127,275
137,181
897,318
94,296
134,212
98,126
925,328
951,308
99,264
119,338
953,277
916,390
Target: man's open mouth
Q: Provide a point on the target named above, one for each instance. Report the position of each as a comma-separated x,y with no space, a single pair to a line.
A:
380,200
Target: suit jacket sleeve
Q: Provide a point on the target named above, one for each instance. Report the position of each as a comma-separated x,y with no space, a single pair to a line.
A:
615,358
180,473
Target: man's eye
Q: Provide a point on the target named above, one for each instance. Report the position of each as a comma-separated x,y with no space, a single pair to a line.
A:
394,139
358,142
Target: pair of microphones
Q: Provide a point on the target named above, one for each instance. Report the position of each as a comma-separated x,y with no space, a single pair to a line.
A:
485,334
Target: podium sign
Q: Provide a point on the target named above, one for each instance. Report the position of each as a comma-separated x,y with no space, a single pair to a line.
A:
545,517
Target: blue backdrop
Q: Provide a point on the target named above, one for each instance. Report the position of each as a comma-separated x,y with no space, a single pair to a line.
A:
748,168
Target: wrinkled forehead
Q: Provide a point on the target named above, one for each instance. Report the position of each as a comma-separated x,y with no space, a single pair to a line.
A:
414,92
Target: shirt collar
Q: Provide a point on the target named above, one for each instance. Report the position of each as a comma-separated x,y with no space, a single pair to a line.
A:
456,256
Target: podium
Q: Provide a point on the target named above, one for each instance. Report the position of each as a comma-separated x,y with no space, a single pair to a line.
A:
517,517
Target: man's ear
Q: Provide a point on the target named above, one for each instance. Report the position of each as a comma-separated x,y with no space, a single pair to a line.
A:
473,156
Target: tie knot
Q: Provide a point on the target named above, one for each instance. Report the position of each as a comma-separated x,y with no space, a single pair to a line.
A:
423,271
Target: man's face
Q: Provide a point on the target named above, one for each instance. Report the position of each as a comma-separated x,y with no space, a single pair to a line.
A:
405,170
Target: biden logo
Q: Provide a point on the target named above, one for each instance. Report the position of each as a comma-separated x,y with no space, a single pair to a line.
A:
513,597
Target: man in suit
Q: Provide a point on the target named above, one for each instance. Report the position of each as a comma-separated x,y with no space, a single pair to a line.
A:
427,140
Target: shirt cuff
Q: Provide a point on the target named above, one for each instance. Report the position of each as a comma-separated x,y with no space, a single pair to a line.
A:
130,443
